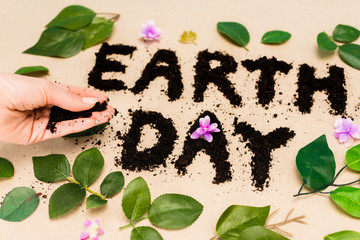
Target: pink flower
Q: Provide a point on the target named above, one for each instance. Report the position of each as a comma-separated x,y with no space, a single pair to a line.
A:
150,31
205,129
346,132
92,230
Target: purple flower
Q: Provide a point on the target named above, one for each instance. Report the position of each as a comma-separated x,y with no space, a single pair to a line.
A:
150,31
92,230
346,132
205,129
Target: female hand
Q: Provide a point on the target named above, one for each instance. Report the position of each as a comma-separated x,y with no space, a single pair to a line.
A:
25,104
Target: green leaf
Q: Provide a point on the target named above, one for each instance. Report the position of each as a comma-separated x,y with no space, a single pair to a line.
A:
94,201
350,54
325,43
145,233
31,69
58,42
174,211
136,199
19,204
316,164
51,168
73,18
345,33
236,218
6,168
235,31
343,235
353,158
65,198
112,184
275,37
348,198
188,37
87,166
99,30
88,132
260,233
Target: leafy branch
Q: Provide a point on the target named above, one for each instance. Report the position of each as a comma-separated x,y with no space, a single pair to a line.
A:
349,52
246,222
168,211
316,165
74,29
86,169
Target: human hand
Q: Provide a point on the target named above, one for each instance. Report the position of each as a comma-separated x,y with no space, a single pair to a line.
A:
25,104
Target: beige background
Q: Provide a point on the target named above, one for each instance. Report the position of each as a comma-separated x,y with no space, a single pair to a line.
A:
21,23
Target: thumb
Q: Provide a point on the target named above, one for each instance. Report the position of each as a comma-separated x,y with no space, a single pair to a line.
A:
64,98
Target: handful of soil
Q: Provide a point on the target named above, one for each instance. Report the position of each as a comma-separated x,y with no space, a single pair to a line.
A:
59,114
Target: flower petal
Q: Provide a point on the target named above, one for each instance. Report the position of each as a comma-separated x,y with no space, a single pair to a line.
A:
208,137
195,135
206,121
95,238
200,131
344,137
100,231
347,123
96,222
338,122
87,223
202,122
337,134
84,235
213,128
341,129
355,131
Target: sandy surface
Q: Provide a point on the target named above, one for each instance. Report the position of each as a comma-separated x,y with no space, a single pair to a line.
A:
21,23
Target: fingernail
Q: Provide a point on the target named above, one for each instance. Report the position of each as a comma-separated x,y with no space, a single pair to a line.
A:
89,100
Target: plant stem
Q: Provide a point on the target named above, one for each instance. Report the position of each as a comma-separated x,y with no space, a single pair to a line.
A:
214,238
113,16
345,184
307,193
97,194
73,180
286,221
87,189
132,223
276,226
326,185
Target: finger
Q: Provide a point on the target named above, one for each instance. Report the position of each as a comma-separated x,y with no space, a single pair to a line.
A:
104,116
81,124
41,120
70,126
63,98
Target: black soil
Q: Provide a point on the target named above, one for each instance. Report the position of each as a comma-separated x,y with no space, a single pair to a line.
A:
150,158
266,82
333,86
216,150
170,71
262,146
103,65
205,74
58,114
